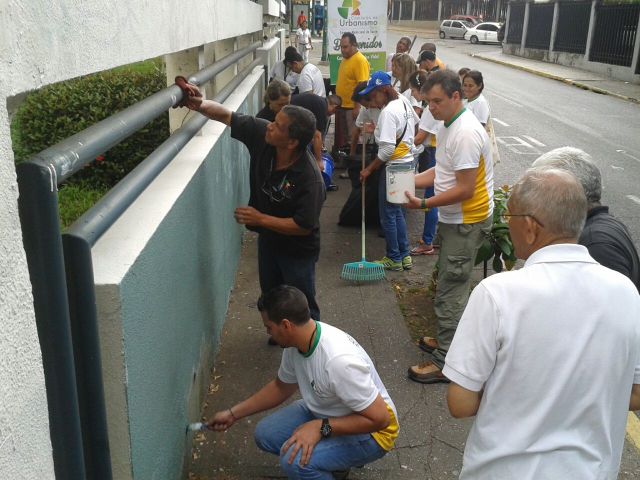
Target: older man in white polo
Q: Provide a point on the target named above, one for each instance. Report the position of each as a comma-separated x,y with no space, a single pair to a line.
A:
547,357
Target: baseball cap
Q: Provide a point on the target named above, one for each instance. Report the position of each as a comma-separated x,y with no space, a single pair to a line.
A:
427,55
378,79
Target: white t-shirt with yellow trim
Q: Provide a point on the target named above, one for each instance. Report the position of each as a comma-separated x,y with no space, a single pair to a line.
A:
391,123
431,126
337,379
464,144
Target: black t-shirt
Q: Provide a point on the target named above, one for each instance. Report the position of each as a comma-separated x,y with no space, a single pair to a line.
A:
297,192
610,244
316,105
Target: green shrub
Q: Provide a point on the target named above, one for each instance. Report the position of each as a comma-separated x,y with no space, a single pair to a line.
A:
75,199
58,111
497,246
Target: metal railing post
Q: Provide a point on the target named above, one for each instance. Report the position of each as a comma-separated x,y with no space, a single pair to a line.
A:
38,208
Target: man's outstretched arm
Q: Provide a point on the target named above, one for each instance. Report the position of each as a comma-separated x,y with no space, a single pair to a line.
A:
271,395
209,108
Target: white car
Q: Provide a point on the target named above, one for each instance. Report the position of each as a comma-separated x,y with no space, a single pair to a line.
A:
483,32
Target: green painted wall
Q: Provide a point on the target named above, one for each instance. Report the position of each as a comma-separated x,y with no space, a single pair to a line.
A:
174,300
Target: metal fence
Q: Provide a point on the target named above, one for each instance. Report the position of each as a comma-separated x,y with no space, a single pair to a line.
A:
573,27
614,34
489,10
453,7
539,25
426,10
516,23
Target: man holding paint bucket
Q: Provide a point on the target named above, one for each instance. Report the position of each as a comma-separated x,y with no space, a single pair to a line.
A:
463,181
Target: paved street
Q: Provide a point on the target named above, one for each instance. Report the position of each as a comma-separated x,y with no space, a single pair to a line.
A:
533,115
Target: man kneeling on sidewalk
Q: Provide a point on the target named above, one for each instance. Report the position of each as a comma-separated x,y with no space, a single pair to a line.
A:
345,417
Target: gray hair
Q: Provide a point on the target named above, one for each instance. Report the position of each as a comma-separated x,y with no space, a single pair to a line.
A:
578,163
554,197
302,125
276,89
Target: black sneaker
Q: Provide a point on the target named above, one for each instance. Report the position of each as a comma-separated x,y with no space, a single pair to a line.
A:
341,474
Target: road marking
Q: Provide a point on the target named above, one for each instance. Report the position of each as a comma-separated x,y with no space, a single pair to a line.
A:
633,429
615,167
506,99
623,152
633,198
504,124
534,141
518,145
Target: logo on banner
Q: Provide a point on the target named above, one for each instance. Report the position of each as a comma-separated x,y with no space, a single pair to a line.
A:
353,5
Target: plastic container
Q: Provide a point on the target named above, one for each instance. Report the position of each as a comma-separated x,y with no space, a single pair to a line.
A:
328,170
400,179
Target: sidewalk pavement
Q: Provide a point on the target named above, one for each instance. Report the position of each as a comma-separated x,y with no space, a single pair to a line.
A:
431,442
573,76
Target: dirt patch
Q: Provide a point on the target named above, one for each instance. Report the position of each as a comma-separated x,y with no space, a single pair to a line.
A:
415,298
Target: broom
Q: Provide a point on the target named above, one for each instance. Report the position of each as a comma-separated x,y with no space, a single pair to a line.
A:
362,271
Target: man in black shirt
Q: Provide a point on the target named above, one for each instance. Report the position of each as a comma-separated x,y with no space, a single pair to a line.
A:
606,237
287,193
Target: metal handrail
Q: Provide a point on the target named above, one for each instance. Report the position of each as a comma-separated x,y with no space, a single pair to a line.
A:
61,270
73,153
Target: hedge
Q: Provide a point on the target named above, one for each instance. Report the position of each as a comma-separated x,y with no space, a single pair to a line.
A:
58,111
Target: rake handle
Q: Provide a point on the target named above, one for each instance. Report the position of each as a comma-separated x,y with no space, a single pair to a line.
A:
362,188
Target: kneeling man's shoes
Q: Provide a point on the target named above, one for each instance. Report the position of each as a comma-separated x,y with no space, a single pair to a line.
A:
427,373
341,474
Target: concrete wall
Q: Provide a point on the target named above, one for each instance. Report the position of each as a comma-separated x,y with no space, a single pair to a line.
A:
581,61
25,448
574,60
43,42
164,274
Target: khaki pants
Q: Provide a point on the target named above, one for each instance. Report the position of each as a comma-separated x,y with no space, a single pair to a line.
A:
459,244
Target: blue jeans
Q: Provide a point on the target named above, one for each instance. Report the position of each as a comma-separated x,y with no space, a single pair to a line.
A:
426,161
277,268
392,222
329,455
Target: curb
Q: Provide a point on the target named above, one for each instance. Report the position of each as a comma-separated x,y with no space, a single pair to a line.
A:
551,76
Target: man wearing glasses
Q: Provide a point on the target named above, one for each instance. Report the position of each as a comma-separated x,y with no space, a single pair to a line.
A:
547,357
463,184
287,193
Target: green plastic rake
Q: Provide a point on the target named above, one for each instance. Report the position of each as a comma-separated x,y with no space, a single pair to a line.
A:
362,271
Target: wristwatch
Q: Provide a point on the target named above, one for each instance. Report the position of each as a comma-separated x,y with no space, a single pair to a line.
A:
325,429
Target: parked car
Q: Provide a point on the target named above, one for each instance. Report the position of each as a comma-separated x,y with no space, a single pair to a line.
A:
454,28
471,19
483,32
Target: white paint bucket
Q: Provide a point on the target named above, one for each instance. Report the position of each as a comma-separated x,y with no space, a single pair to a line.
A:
400,179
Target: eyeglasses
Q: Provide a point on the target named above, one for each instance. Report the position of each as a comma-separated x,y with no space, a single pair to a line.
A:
508,214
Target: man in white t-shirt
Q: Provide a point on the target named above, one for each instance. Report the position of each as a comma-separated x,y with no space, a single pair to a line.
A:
463,181
309,76
303,41
345,417
547,357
